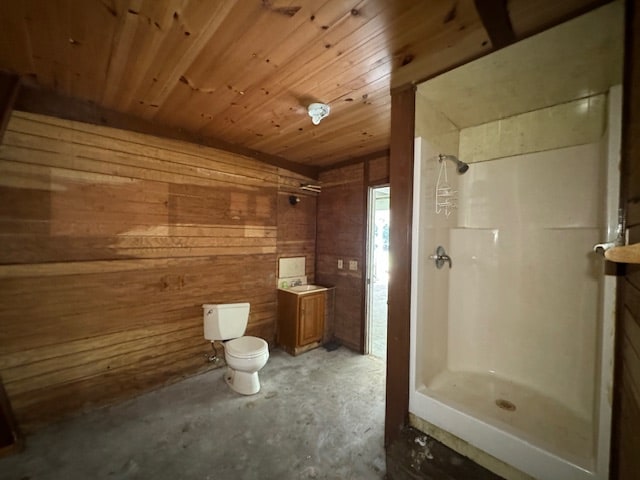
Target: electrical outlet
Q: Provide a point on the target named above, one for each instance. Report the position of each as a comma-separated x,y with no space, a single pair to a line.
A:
353,265
340,264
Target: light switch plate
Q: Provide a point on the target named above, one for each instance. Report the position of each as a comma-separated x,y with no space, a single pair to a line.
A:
353,265
340,264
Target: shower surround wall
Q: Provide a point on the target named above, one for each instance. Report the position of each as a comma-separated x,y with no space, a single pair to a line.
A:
516,322
436,135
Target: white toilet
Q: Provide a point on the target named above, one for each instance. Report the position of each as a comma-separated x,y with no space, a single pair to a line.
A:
244,355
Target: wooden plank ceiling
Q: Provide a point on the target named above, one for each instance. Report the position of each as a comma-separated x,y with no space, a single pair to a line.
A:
244,71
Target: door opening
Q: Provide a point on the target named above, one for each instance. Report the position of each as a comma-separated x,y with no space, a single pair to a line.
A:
377,278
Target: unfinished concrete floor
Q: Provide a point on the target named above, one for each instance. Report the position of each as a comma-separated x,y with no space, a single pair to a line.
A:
318,416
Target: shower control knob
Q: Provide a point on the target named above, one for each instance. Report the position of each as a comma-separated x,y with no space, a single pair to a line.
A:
441,257
603,247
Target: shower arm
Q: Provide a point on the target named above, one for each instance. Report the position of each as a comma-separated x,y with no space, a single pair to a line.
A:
461,167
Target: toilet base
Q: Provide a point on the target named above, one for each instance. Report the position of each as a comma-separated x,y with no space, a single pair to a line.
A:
242,382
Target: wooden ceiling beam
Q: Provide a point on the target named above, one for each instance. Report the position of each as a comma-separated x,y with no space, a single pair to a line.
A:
495,18
9,87
36,100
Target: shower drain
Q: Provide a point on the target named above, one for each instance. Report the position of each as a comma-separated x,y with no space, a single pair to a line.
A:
505,404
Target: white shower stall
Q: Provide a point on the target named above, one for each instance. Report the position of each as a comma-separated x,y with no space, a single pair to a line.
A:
512,342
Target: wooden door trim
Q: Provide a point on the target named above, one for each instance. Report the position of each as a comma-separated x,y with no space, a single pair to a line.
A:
399,300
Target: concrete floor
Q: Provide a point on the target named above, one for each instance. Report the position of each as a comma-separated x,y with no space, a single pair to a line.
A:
318,416
378,332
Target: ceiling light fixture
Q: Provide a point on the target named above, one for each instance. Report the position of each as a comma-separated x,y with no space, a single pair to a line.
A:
317,111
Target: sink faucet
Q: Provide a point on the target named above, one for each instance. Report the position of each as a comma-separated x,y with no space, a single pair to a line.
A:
295,283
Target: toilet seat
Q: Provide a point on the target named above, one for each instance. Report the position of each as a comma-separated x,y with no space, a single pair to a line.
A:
246,347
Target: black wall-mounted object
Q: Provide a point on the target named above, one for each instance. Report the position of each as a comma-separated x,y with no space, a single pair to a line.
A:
293,199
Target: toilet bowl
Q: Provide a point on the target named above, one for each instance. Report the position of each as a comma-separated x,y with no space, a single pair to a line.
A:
245,355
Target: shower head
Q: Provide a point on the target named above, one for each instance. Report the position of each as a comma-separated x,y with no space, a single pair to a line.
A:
460,165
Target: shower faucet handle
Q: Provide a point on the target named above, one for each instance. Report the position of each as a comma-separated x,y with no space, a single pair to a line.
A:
603,247
441,257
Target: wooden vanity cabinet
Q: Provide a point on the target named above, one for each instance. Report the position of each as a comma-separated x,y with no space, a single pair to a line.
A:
300,321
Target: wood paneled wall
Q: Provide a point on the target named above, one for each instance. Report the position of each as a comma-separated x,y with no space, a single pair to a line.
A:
9,86
342,222
341,225
378,171
626,440
297,223
111,241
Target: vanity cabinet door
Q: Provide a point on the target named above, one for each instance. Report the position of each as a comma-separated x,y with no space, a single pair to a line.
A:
311,318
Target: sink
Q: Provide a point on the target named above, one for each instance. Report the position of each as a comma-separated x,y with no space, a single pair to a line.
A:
306,288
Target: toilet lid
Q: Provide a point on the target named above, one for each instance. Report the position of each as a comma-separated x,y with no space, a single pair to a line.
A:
246,347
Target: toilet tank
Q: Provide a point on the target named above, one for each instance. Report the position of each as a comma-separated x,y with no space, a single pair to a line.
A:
225,321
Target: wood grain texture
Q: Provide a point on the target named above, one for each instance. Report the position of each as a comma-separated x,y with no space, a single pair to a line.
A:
625,462
495,19
300,321
399,301
245,71
111,242
378,171
36,100
9,86
11,440
624,254
341,223
297,223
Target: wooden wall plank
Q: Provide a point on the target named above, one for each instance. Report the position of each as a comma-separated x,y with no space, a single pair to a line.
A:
297,223
111,242
98,303
379,171
341,222
631,355
626,456
40,151
399,301
625,462
37,407
42,102
56,370
141,144
9,86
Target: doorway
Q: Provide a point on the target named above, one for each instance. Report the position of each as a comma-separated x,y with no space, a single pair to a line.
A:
377,278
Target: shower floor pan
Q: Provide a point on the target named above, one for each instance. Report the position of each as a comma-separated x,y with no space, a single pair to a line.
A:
514,408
